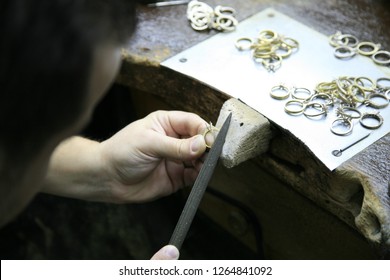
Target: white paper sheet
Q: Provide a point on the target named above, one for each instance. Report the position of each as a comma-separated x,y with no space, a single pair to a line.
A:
217,63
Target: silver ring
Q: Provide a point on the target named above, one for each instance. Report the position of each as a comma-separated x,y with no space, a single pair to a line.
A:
371,103
345,122
290,42
379,82
384,61
341,111
375,116
344,52
387,93
283,52
351,40
318,106
272,63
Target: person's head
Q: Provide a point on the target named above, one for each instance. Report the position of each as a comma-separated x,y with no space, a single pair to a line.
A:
57,58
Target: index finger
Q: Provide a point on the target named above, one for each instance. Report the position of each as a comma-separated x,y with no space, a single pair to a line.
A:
179,123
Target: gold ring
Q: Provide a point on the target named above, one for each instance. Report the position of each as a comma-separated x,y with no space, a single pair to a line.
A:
289,107
355,93
327,99
244,43
384,57
301,93
368,48
280,88
209,129
268,35
335,41
359,81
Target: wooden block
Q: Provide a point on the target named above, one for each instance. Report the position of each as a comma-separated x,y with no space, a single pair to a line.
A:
249,133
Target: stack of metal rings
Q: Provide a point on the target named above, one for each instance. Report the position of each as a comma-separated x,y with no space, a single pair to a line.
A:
350,93
354,91
347,46
303,101
202,17
269,48
344,93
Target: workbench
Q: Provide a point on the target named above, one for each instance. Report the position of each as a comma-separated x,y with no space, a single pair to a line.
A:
305,210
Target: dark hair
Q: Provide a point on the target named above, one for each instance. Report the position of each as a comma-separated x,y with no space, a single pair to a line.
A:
46,49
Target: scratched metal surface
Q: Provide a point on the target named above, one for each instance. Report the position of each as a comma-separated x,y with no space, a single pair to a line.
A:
218,63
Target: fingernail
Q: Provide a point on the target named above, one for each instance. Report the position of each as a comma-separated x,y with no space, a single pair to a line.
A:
197,143
172,252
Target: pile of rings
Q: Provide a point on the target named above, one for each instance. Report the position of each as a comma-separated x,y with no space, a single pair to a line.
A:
346,94
347,46
203,17
269,48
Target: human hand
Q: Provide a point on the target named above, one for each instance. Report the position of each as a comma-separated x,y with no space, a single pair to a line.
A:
154,156
168,252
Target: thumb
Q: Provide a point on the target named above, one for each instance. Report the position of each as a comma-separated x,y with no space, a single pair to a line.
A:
181,149
168,252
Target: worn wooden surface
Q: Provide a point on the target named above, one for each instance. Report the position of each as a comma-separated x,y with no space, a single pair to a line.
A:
358,191
249,133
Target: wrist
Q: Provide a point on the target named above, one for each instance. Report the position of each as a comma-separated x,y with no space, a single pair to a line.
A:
76,170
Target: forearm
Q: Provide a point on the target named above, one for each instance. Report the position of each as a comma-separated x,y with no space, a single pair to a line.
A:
76,170
147,159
